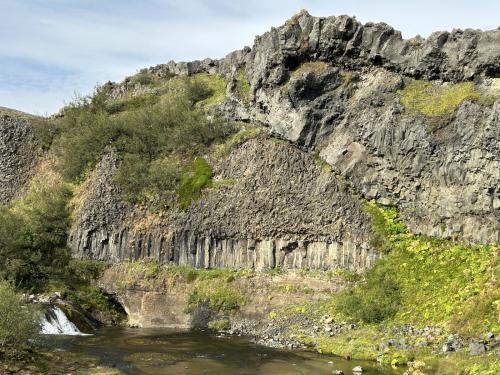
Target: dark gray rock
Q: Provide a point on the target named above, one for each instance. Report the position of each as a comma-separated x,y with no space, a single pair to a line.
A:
284,211
19,153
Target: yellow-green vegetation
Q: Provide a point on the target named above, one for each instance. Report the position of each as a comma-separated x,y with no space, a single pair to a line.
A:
322,163
34,257
213,286
221,295
243,86
441,282
224,182
349,80
219,325
33,235
244,133
420,281
317,67
159,136
432,99
18,321
193,181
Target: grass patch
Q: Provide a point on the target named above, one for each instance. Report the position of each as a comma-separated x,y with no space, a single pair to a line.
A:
224,182
193,181
437,100
243,86
219,325
220,295
245,133
322,163
317,67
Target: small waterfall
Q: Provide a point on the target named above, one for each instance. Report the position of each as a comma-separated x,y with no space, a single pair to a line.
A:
55,322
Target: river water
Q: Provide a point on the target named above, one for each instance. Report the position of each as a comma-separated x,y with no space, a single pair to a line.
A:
163,351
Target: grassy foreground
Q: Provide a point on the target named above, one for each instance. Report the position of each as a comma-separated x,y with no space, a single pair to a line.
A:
422,281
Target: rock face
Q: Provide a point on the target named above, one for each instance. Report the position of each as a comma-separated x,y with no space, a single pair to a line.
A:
282,210
331,87
18,154
445,181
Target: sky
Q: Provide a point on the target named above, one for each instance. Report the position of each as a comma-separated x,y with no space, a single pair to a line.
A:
51,50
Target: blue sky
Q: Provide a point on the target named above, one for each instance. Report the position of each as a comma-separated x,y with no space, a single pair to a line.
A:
52,49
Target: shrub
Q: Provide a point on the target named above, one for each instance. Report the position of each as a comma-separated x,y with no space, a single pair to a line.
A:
18,322
142,78
156,136
197,90
33,236
373,302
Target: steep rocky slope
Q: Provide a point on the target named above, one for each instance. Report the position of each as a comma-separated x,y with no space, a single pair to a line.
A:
330,89
18,153
280,209
334,86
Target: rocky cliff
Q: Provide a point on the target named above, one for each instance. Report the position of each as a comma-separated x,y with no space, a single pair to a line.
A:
280,209
334,86
409,123
18,153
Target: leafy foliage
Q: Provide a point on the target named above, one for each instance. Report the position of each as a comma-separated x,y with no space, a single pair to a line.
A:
33,236
18,322
373,302
425,280
157,135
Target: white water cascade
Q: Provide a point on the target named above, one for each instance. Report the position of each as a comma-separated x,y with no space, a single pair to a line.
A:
55,322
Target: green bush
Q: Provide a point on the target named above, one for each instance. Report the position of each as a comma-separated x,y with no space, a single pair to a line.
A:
373,302
143,78
197,90
18,322
156,136
33,236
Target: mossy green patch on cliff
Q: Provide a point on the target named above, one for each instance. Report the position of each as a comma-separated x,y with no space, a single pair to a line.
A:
317,67
245,132
193,181
243,86
432,99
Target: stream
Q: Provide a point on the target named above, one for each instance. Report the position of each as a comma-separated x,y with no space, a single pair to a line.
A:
165,351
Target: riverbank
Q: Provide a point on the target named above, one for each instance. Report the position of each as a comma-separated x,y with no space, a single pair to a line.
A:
294,310
428,300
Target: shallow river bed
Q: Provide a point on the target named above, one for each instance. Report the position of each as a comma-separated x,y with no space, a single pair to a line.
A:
163,351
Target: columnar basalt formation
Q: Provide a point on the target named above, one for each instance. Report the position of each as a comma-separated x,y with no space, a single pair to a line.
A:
18,153
283,210
324,89
332,85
